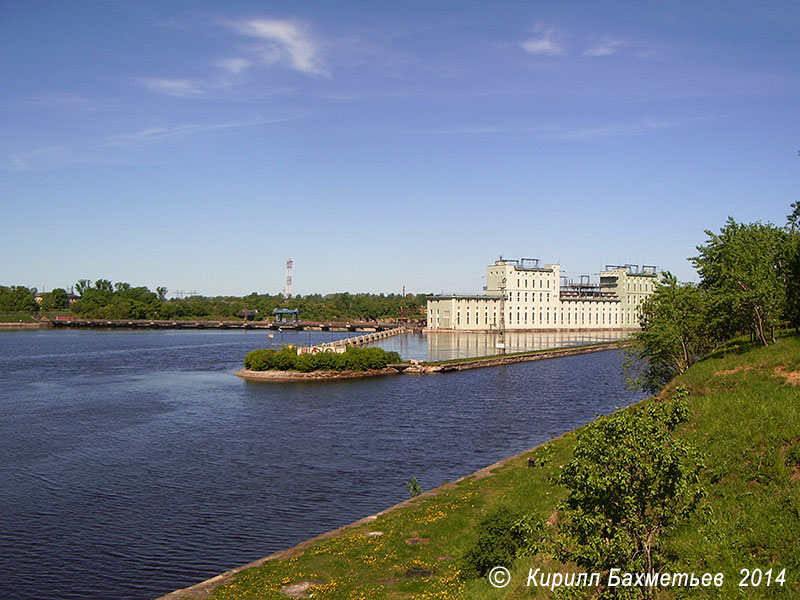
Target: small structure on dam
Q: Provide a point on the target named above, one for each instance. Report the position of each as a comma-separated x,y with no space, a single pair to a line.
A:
524,295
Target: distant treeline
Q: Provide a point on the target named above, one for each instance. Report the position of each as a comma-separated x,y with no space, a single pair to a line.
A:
103,300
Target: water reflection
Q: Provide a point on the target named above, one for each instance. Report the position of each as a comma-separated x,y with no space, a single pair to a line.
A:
449,345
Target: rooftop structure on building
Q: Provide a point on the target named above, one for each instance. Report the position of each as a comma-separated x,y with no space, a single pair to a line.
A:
537,297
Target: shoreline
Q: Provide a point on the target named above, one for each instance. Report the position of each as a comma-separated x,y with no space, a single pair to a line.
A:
205,589
284,376
21,326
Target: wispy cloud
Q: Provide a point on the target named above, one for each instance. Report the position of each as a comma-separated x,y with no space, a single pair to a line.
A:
234,65
176,87
271,42
545,41
284,42
101,151
606,47
641,126
550,132
154,134
65,100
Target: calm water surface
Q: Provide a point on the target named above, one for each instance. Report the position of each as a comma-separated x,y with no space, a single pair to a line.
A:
135,463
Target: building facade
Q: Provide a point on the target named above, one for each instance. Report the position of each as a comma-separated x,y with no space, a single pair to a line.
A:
522,295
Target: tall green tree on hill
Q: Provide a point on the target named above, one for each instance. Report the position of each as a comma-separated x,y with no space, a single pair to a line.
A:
793,266
675,333
744,271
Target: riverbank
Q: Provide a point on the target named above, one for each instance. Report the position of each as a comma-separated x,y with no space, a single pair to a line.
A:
415,548
11,326
284,376
368,529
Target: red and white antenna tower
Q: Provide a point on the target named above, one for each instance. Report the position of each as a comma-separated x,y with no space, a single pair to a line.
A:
287,291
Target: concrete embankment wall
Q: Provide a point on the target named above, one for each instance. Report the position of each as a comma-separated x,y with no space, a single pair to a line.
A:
14,326
496,361
508,360
367,338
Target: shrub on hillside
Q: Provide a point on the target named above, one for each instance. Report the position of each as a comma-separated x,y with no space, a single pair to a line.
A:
503,535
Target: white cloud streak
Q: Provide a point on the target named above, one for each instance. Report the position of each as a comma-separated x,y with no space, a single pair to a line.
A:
160,133
183,88
606,47
546,42
284,42
97,152
234,65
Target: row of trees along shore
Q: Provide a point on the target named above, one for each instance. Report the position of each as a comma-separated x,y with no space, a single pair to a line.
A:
103,300
749,284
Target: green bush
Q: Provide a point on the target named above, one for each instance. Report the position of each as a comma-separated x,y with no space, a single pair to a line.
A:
287,359
503,535
259,360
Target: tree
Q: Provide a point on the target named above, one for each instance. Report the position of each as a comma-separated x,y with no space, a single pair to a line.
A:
675,333
793,280
793,219
82,285
792,266
18,298
59,299
742,270
629,481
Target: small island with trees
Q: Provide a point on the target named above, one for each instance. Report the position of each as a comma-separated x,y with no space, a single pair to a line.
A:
286,364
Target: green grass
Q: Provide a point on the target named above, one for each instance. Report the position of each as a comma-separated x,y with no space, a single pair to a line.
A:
745,418
16,317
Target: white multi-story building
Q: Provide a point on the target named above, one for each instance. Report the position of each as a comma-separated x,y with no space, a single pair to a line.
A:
532,297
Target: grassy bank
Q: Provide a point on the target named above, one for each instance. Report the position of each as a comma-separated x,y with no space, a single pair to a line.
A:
745,418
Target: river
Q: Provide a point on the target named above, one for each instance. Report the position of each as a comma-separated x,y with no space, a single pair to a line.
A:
133,463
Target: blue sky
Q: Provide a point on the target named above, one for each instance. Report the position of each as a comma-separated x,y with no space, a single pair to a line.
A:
198,145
